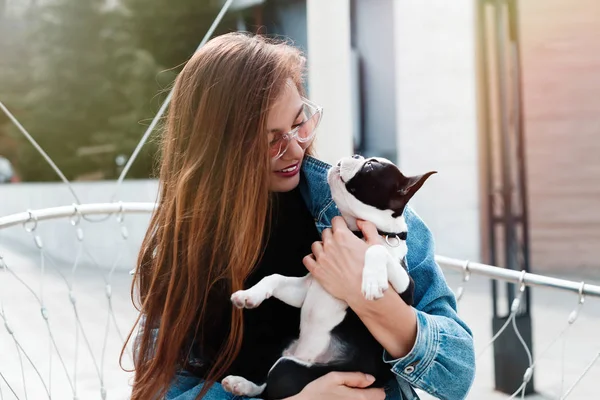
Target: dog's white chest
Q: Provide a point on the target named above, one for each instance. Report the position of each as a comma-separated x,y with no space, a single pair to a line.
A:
321,312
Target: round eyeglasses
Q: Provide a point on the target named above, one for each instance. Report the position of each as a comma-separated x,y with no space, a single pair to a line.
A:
304,132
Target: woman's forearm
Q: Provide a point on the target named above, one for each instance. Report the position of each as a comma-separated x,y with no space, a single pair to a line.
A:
389,319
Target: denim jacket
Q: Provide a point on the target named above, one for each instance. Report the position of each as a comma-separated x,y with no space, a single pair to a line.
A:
442,361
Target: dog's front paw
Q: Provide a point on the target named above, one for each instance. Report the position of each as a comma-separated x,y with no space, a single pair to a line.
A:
237,385
249,298
374,282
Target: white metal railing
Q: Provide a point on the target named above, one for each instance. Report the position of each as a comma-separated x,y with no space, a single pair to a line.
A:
518,277
30,217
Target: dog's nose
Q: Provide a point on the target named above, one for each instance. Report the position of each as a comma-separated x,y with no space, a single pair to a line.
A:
356,157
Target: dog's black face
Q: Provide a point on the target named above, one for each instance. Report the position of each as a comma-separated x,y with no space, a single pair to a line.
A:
374,182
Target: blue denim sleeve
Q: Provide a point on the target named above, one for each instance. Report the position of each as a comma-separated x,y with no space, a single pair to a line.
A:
186,386
442,361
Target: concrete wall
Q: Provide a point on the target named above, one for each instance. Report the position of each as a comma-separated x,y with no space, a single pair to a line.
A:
102,239
329,75
436,116
291,17
561,73
374,42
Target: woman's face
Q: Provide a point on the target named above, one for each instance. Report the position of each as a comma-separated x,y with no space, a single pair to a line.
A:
285,115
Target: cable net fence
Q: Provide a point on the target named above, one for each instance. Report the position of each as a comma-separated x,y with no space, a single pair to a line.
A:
566,337
66,309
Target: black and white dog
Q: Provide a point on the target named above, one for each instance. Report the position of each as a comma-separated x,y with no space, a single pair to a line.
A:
332,337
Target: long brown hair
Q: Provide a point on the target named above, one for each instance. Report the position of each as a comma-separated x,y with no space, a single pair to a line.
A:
213,201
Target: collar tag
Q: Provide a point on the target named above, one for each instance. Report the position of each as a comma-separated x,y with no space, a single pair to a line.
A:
392,239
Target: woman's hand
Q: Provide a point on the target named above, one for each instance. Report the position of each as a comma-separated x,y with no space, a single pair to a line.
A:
337,261
341,385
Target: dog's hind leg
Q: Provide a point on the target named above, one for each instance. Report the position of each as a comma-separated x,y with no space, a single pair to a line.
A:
241,386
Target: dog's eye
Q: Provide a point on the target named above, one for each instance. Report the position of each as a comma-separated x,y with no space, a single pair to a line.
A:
352,190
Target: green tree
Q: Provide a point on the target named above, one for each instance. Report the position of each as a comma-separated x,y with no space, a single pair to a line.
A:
88,85
171,29
13,74
84,77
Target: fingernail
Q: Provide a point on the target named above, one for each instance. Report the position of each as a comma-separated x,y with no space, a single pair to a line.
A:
370,378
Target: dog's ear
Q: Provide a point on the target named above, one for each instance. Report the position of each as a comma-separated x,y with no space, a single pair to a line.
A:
406,189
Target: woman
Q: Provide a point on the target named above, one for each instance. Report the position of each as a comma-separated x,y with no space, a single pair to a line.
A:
241,198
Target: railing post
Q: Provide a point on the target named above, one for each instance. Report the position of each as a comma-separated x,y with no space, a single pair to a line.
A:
506,180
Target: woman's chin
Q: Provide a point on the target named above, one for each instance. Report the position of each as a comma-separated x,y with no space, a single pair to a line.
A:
283,184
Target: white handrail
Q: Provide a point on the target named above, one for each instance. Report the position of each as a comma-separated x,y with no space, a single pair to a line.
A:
518,277
31,217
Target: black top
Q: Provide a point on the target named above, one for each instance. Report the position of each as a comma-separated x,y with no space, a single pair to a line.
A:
269,328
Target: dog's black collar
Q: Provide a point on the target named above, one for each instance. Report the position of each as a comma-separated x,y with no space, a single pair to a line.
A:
398,235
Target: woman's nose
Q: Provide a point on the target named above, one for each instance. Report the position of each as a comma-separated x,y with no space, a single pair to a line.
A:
294,148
